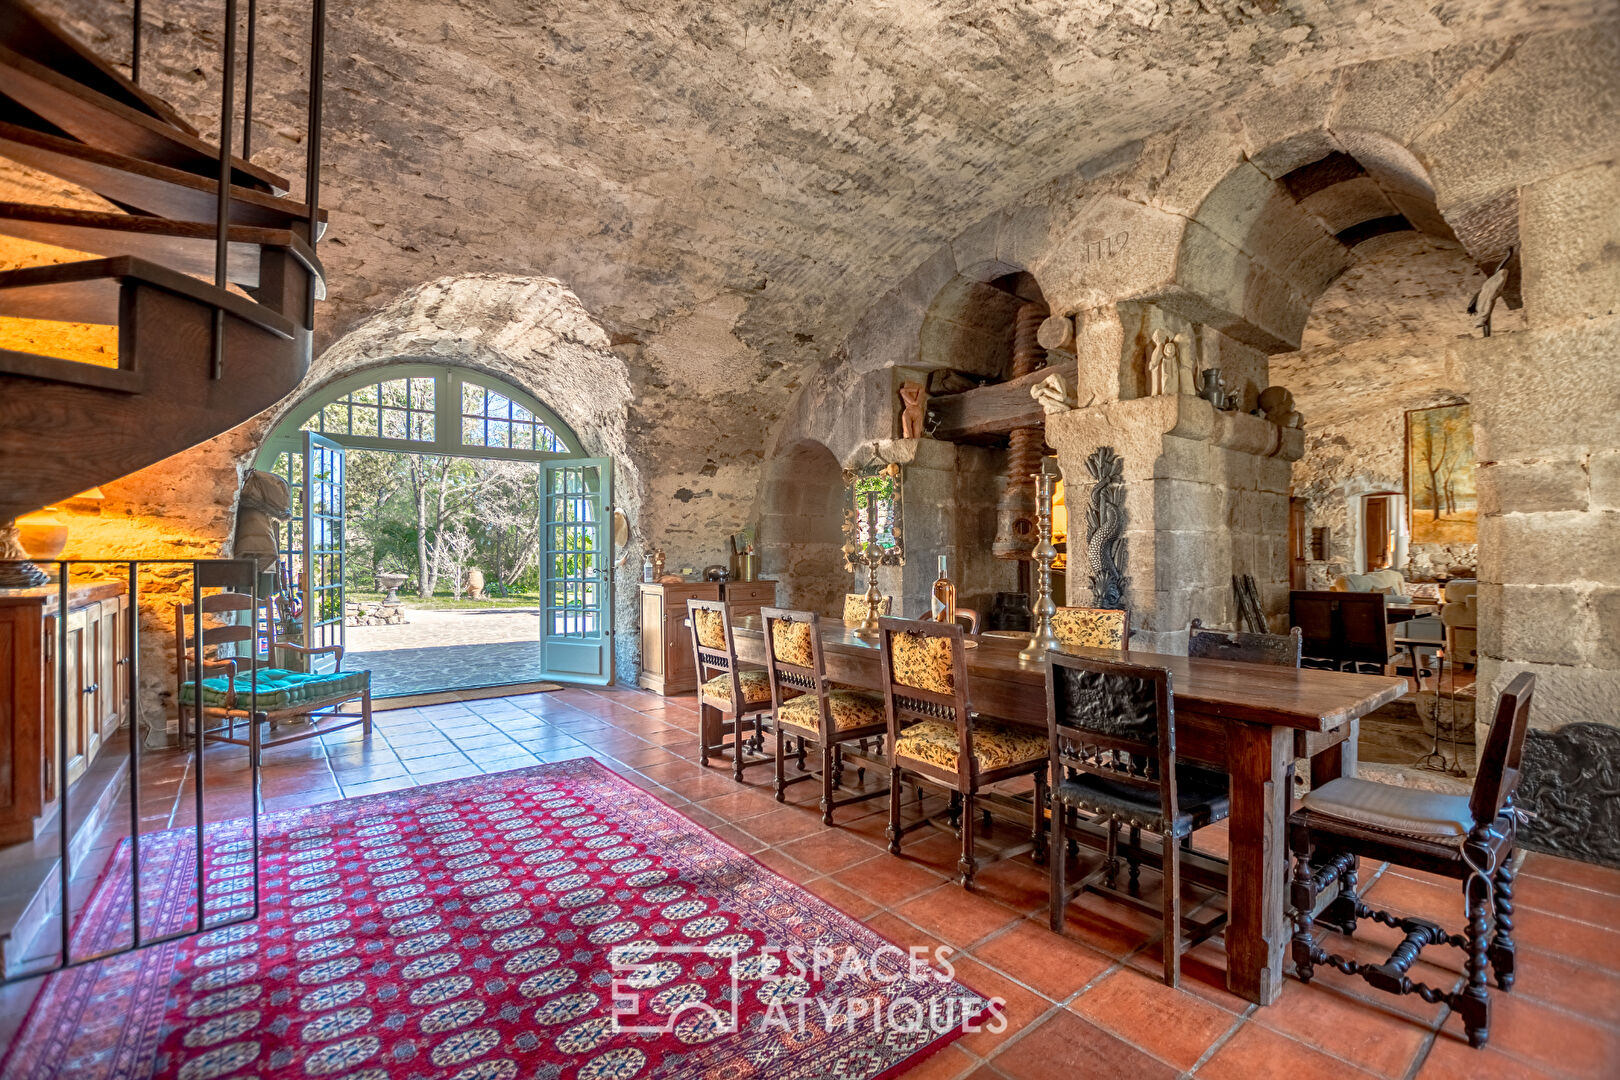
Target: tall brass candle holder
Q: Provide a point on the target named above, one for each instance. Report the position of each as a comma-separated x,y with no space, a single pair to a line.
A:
869,628
1042,640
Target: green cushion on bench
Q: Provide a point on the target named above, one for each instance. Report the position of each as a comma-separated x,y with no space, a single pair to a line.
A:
279,688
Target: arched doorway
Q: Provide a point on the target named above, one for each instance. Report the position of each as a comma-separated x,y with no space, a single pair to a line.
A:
452,426
801,533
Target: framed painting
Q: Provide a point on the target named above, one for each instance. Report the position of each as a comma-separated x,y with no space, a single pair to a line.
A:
1441,498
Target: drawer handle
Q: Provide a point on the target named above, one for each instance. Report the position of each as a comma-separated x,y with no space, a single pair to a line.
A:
92,688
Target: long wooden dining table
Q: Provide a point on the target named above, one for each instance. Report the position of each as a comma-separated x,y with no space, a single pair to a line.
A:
1251,720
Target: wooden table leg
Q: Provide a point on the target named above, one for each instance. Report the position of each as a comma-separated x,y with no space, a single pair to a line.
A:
1337,760
1257,933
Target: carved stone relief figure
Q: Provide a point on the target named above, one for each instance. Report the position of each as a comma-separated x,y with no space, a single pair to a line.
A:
1170,365
1053,394
911,410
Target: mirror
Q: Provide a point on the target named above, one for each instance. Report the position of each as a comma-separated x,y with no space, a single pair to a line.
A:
873,517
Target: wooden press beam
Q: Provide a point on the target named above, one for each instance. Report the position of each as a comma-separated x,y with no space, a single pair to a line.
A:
984,413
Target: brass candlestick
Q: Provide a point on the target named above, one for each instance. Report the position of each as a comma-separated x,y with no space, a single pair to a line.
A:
869,628
1042,640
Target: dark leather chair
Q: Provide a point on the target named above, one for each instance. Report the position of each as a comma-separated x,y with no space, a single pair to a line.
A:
1470,838
1343,629
1112,750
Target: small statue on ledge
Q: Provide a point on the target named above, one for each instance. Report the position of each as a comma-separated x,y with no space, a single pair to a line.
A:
1164,364
1053,395
911,410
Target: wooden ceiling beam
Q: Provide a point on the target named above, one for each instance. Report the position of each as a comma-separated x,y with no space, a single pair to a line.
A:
990,411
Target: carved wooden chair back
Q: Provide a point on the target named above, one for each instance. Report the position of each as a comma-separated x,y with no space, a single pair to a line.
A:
714,648
1115,721
793,659
925,678
1091,628
1282,650
855,608
1499,764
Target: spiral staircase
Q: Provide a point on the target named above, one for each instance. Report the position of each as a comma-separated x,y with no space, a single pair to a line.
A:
199,281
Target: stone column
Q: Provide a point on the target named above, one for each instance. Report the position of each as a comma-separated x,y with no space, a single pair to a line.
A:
949,498
1206,498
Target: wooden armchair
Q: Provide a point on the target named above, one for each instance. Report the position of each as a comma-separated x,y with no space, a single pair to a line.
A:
239,690
1469,838
808,707
935,737
1112,732
732,700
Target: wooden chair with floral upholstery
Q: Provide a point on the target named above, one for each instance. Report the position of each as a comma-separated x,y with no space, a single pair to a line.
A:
1091,628
808,707
935,738
855,608
732,700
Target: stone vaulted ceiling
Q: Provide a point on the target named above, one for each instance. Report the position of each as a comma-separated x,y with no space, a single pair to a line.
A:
768,165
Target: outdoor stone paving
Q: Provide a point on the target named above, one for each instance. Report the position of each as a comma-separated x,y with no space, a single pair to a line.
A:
443,650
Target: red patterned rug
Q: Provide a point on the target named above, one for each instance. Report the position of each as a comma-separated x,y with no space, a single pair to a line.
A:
552,922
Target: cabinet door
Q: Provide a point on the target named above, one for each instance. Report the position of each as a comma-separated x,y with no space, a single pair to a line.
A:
652,633
80,671
680,672
112,666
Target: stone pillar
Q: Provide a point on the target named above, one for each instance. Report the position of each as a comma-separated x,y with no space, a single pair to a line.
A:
1206,498
949,496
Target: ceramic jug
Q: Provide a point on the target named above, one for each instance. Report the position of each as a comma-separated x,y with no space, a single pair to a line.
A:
1210,386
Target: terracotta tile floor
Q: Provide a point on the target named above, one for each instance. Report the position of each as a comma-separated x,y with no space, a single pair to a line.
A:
1088,1003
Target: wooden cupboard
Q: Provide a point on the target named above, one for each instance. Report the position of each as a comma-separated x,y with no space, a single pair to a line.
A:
96,661
666,643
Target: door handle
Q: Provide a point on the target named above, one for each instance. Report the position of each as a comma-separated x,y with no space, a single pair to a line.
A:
92,688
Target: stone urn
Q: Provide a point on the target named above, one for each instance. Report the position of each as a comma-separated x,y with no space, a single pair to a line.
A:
390,584
475,584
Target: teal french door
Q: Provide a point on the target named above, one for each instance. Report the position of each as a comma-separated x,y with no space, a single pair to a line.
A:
576,609
311,607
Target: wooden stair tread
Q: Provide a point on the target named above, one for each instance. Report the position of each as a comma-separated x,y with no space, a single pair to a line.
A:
185,246
97,120
41,38
91,291
155,189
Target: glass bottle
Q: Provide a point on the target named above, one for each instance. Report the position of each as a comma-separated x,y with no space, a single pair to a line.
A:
942,606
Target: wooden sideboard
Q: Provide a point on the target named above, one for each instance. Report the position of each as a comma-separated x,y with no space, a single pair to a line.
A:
98,669
666,644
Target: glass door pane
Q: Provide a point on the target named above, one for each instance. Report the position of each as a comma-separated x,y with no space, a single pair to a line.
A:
575,609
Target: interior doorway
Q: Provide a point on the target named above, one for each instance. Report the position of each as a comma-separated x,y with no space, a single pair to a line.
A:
446,531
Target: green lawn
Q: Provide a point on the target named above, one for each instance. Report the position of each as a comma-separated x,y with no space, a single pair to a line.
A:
445,602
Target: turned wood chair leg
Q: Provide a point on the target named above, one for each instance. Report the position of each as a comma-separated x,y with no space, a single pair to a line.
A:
1340,913
781,768
1303,898
966,865
1502,948
1059,887
1133,857
365,711
829,780
1474,1002
1111,855
1037,829
739,742
893,832
1171,865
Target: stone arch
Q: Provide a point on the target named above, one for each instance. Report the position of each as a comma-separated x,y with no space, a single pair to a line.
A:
1281,225
968,326
801,532
531,332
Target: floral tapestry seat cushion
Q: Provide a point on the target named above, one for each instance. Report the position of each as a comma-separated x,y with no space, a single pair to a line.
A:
278,688
995,746
1089,628
923,661
790,641
855,608
849,709
756,690
711,632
